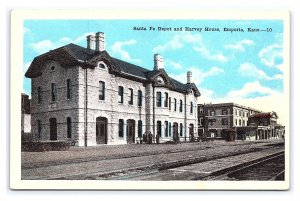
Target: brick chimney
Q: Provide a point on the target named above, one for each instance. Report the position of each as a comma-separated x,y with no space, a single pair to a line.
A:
189,77
90,42
100,41
158,62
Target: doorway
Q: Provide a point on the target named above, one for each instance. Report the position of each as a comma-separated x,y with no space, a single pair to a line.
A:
53,129
101,130
130,133
175,131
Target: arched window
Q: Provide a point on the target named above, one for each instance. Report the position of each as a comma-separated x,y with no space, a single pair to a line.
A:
175,104
140,98
101,90
166,128
140,128
130,101
158,127
69,89
39,94
180,105
166,99
69,127
121,93
101,65
39,125
181,130
121,128
158,99
53,92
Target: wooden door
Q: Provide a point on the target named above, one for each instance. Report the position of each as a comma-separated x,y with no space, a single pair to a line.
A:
101,130
53,129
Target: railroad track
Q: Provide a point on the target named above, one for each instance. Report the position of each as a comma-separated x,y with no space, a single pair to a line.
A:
267,167
270,168
162,169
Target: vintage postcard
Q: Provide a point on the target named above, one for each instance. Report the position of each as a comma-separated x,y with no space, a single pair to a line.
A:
146,99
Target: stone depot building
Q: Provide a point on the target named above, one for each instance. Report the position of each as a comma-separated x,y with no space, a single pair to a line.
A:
86,96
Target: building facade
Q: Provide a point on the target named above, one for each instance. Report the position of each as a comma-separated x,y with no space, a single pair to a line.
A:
25,114
215,119
86,96
267,127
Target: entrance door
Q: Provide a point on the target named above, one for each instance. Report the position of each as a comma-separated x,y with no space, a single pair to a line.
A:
130,133
101,130
191,131
53,129
175,131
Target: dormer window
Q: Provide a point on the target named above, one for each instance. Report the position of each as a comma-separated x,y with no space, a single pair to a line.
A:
160,80
102,65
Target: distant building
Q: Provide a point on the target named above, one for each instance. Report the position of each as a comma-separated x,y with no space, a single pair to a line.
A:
267,127
248,123
84,95
215,119
25,113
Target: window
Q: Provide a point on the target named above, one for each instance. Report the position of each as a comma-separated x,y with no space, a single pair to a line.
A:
101,90
240,113
121,93
191,109
39,126
175,104
224,121
236,112
240,122
158,125
69,89
101,65
140,96
130,102
181,130
140,128
53,92
212,113
243,122
39,94
180,106
170,105
158,99
191,130
201,121
69,127
121,127
166,128
236,122
170,131
166,99
224,112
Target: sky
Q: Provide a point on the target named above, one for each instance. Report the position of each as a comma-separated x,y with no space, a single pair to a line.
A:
242,67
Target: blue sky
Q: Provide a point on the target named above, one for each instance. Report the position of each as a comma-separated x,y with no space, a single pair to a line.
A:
226,66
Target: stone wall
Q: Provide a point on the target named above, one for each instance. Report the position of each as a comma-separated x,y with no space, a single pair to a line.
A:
60,109
84,119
